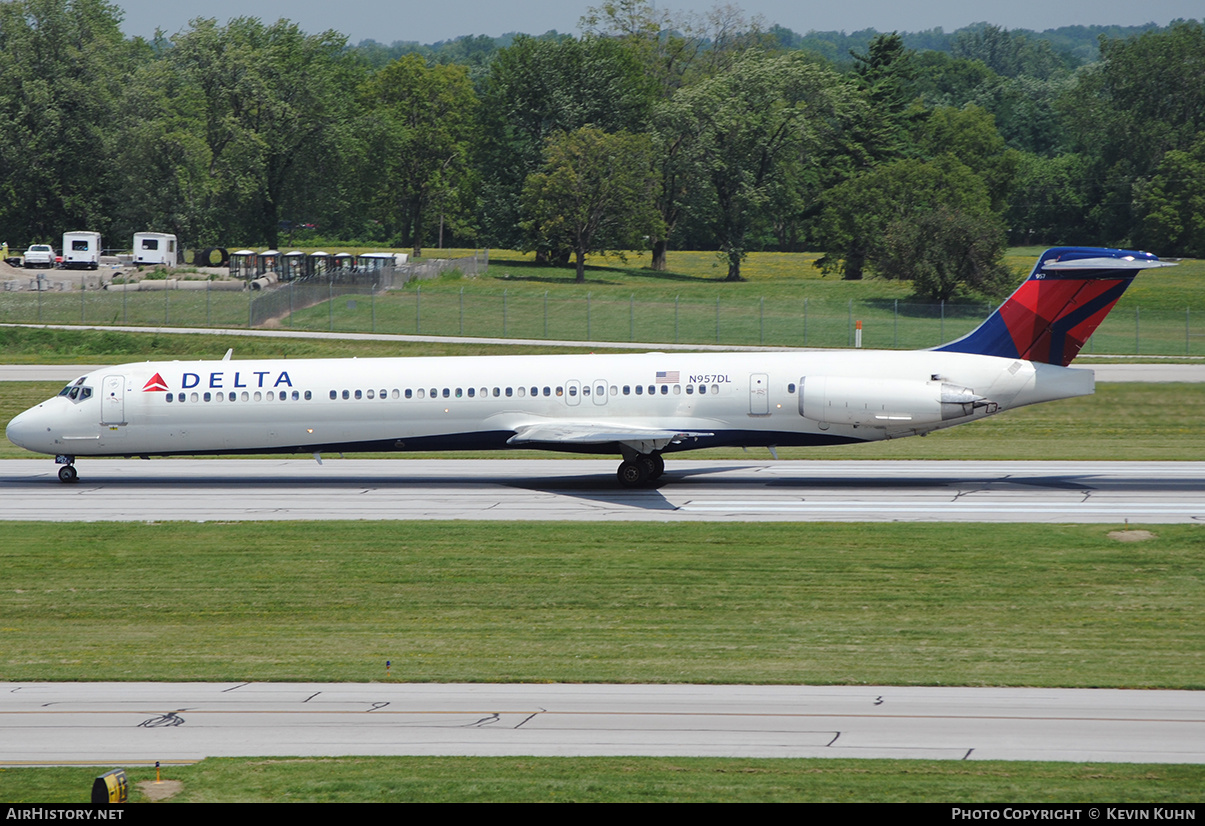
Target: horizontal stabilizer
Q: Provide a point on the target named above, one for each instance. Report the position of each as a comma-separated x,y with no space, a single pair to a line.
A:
1105,264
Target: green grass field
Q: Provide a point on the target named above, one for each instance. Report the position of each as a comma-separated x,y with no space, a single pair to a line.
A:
622,779
911,604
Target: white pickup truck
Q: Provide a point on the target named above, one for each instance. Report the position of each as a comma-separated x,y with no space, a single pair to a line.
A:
39,255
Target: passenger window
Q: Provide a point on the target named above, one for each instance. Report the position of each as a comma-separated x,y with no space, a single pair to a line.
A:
640,390
560,391
509,392
409,393
358,394
665,390
572,391
244,395
346,395
169,397
472,392
192,397
715,388
548,393
208,397
702,389
627,389
791,387
447,392
180,397
372,394
334,394
677,390
497,392
422,394
459,392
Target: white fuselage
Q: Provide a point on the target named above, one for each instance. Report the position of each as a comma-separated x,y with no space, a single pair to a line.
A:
560,402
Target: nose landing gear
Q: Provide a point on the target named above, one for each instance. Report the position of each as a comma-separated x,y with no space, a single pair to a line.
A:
67,473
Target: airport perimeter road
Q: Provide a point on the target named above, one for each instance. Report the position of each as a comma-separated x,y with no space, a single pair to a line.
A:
131,723
586,490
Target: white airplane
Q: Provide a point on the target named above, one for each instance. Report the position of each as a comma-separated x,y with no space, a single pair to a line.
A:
640,406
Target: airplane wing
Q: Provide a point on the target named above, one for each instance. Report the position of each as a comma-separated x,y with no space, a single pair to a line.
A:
641,439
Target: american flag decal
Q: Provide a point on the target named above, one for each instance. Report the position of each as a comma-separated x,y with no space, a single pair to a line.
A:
667,377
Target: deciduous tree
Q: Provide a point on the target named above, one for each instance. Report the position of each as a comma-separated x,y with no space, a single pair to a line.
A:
592,194
422,121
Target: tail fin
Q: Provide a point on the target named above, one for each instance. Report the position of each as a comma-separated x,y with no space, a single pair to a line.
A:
1056,310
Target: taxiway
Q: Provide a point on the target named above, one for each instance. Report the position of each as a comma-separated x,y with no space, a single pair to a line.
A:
139,723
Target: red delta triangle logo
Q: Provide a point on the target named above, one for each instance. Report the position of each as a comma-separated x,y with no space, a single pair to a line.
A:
156,383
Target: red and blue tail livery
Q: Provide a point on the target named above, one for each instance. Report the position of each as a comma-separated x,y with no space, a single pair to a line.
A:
1056,310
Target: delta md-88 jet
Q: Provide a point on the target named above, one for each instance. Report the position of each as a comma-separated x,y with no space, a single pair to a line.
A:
640,406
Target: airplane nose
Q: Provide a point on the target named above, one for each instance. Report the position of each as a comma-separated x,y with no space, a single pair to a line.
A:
22,430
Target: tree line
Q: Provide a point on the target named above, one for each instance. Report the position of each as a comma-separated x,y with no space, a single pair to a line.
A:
648,130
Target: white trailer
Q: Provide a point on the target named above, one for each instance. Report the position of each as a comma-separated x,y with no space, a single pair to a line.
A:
154,248
81,250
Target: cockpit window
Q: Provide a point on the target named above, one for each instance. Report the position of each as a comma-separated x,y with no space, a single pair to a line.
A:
76,391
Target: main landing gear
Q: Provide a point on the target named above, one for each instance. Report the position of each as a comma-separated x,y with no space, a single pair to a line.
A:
641,470
67,472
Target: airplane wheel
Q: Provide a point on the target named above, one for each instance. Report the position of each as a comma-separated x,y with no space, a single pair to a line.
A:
67,473
633,474
658,466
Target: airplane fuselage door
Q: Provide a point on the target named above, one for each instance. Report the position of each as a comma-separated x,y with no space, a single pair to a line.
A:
600,392
573,390
759,394
113,405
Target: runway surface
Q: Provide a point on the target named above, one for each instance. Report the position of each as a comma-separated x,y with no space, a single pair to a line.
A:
139,723
586,490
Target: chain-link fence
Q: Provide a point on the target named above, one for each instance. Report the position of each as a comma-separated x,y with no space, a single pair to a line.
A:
280,303
398,300
885,324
